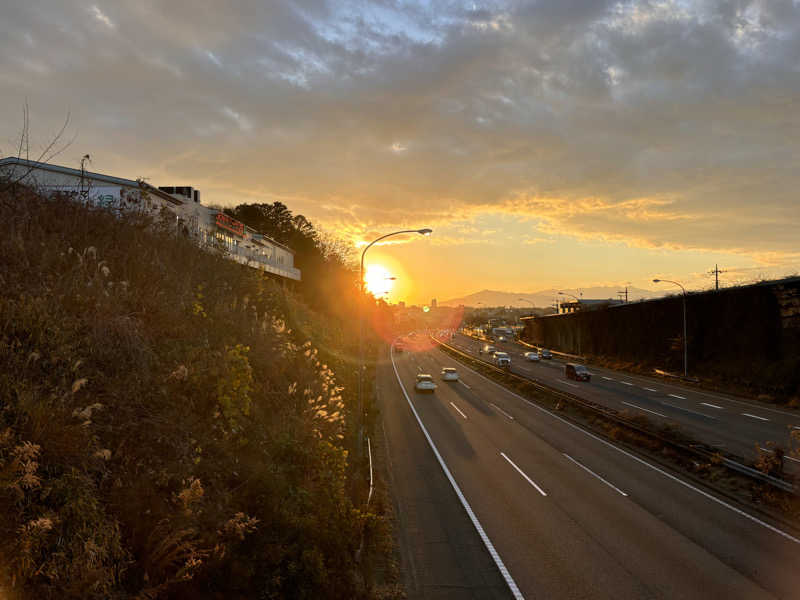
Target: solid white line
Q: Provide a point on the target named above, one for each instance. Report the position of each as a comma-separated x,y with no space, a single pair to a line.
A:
459,410
512,585
649,389
791,458
608,378
676,396
529,480
755,417
369,450
501,410
588,470
626,383
464,384
567,383
646,409
641,461
712,405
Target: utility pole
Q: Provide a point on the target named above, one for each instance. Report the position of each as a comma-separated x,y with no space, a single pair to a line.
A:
715,271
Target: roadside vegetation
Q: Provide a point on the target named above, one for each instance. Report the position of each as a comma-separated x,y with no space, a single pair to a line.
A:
172,424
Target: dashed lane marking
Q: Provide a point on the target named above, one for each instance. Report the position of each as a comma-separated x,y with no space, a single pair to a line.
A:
521,472
645,409
464,384
649,389
588,470
459,410
626,383
500,410
712,405
676,396
755,417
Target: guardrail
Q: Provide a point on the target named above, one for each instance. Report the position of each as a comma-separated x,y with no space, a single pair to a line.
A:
698,450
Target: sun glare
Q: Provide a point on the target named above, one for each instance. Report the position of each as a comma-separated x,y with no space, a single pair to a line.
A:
378,280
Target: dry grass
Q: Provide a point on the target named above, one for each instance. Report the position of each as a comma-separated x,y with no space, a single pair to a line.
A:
163,432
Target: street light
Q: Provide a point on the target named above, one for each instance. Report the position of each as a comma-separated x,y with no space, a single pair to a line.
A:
685,342
424,231
578,300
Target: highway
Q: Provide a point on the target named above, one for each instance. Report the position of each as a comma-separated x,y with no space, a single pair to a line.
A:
719,420
562,513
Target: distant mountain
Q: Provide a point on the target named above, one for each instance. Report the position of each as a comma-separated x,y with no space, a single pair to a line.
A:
545,298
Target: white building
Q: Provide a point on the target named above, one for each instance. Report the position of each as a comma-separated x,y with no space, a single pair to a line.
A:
210,227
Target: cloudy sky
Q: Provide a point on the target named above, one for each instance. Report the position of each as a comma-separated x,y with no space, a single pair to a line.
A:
556,143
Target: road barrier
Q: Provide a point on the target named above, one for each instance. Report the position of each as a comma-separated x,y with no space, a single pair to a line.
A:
698,451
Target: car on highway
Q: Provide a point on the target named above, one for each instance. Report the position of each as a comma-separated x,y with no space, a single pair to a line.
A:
502,338
545,353
532,356
577,372
449,374
502,360
425,383
487,349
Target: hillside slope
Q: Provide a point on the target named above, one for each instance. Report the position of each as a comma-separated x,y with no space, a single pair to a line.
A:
163,432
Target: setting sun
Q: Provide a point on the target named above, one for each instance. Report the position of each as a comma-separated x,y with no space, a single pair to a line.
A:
378,280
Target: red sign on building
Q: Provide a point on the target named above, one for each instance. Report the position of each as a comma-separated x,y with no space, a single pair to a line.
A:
231,224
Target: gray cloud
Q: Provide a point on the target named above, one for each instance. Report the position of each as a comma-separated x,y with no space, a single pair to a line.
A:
385,108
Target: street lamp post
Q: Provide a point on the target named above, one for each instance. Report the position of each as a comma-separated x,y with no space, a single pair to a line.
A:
685,342
361,299
578,300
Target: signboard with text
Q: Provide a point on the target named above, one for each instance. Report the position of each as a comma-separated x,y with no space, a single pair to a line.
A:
230,224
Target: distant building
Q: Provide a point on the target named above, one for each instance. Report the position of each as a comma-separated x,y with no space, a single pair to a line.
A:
584,305
209,227
433,303
401,304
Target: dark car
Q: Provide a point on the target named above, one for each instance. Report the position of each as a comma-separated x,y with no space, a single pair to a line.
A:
577,372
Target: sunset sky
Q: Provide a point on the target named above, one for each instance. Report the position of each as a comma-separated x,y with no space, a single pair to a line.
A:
558,143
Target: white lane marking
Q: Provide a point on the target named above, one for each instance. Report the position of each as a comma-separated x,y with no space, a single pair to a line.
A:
784,456
676,396
608,378
646,409
645,463
626,383
649,389
464,384
501,410
459,410
567,383
512,585
755,417
588,470
520,471
694,412
712,405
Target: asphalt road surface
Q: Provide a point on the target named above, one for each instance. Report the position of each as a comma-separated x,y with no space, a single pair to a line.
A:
558,512
719,420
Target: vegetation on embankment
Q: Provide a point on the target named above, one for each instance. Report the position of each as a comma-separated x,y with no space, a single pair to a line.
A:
165,430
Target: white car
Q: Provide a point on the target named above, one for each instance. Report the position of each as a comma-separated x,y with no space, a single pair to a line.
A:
502,359
532,356
425,383
449,374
